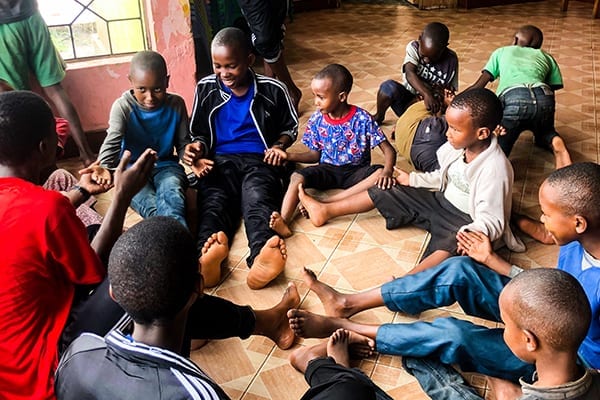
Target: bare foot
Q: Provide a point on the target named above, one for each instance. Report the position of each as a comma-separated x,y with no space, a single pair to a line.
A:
316,210
561,154
278,224
533,228
308,325
334,302
268,264
342,343
273,322
303,211
503,389
214,251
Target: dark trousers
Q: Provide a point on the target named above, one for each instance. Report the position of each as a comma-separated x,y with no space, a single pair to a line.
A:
331,381
240,185
528,108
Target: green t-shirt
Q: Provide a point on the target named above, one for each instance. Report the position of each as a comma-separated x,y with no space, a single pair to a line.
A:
516,65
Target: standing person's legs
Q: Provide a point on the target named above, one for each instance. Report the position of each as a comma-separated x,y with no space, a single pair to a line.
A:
171,182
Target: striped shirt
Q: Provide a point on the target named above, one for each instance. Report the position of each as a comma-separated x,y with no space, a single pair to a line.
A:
117,367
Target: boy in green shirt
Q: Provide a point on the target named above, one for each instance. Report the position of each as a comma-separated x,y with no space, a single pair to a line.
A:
528,78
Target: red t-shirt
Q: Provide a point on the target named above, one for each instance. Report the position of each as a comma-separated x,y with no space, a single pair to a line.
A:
44,252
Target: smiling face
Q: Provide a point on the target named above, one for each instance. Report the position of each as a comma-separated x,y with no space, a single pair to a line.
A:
562,227
149,87
231,67
461,133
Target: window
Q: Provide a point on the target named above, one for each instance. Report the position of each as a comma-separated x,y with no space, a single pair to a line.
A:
92,28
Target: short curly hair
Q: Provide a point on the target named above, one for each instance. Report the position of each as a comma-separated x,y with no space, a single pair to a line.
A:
482,104
153,270
25,120
551,304
578,190
340,77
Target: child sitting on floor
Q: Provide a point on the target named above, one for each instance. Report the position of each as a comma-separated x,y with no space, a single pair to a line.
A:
428,62
472,190
528,77
237,116
339,137
148,116
546,316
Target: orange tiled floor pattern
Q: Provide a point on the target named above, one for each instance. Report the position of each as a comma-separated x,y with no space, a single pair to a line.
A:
356,252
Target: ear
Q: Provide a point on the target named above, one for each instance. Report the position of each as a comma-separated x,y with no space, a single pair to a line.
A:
167,81
110,293
343,96
483,133
251,59
580,224
531,340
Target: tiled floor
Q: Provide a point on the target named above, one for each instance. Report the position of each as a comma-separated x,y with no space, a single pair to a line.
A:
357,252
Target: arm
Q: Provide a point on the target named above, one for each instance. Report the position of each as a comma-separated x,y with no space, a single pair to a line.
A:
421,87
199,121
117,124
385,179
182,136
482,81
127,184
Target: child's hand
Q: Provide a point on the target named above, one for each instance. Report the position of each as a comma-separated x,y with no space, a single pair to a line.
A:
475,245
432,104
202,167
500,130
402,177
385,180
275,156
192,152
99,175
92,186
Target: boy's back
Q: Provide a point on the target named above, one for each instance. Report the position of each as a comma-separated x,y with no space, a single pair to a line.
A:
517,65
133,369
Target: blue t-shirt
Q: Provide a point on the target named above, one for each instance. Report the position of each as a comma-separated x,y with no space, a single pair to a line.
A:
571,260
235,128
348,140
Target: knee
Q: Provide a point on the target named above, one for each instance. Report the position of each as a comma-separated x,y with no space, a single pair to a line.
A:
296,179
388,88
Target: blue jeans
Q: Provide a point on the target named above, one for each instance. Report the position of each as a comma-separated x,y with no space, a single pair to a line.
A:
164,194
438,380
528,108
472,347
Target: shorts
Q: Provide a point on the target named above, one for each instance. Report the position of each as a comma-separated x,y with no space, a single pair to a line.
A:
405,205
26,46
266,22
332,381
327,176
